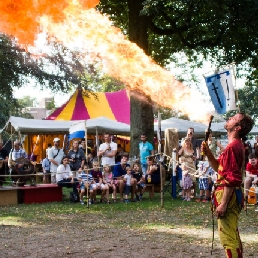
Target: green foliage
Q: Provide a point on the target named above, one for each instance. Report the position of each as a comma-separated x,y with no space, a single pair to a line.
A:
50,105
27,101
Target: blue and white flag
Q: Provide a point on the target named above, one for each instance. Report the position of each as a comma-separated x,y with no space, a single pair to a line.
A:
77,130
221,90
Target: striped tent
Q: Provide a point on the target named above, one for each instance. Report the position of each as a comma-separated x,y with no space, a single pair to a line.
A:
113,105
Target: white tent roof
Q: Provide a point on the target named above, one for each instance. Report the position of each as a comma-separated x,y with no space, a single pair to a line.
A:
35,126
104,124
182,125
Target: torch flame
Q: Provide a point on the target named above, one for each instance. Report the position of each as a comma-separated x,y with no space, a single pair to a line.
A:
74,22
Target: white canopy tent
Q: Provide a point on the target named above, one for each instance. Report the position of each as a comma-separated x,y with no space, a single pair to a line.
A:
182,125
34,126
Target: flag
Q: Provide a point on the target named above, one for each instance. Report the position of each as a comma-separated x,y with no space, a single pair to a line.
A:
220,87
77,130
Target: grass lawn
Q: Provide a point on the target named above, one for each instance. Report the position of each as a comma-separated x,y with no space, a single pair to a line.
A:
141,229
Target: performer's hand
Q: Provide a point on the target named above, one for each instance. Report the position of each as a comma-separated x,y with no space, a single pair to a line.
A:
220,210
204,148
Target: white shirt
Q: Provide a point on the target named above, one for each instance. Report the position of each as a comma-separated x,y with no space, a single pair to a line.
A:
202,166
108,160
51,154
63,172
128,179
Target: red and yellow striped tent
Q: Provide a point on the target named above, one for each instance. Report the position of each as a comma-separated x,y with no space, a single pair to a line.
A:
113,105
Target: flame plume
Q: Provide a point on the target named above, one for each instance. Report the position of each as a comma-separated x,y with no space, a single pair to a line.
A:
75,23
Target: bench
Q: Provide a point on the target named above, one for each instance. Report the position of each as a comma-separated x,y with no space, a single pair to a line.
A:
150,188
42,193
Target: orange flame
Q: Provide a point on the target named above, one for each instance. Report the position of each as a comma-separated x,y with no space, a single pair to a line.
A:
72,22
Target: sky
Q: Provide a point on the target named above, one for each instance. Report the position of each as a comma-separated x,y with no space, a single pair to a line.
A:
61,98
35,92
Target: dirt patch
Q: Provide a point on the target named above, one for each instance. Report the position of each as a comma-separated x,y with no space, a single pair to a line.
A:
134,233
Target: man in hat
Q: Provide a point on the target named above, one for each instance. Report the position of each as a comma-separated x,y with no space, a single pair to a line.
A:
16,153
55,155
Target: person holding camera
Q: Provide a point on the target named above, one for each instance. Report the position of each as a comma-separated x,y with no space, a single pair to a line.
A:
76,157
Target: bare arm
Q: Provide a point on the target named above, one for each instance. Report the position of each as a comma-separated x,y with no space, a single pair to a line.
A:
54,162
180,151
248,174
111,154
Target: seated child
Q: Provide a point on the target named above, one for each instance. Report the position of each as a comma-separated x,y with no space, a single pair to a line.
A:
86,181
204,180
187,182
97,177
108,182
140,186
127,180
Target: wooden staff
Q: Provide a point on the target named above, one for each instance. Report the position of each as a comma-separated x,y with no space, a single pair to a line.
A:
207,133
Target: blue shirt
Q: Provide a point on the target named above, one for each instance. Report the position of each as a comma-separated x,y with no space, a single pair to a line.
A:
119,171
46,164
145,151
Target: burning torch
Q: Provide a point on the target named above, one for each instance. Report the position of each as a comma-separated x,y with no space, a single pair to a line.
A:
207,133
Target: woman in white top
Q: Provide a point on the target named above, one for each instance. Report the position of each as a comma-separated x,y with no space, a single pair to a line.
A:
64,175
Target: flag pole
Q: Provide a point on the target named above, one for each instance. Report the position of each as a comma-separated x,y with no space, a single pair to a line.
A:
86,158
161,159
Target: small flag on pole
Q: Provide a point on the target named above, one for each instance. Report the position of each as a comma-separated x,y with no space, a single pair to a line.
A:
221,90
77,130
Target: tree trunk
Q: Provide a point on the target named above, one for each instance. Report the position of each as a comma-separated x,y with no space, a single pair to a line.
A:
141,110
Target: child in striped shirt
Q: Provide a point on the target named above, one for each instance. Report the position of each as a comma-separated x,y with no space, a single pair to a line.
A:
86,181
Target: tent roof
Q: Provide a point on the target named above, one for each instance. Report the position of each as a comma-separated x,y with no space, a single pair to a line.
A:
182,125
113,105
35,126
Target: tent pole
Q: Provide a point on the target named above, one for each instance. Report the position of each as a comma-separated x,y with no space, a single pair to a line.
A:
161,160
97,143
86,158
12,135
174,153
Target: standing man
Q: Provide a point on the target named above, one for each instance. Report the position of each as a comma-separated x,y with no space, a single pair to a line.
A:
107,151
83,147
16,153
145,149
228,195
55,155
3,163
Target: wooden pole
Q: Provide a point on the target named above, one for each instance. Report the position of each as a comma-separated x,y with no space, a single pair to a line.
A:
161,160
161,186
86,153
97,143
